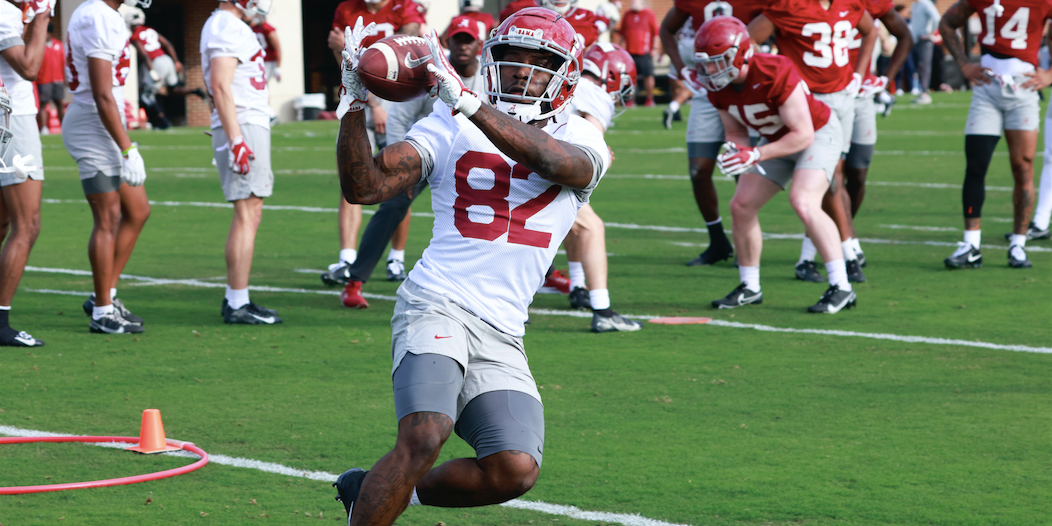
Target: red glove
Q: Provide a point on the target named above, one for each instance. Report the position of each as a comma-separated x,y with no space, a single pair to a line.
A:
737,159
871,86
240,155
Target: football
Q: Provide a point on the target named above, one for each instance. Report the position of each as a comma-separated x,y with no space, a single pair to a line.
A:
395,68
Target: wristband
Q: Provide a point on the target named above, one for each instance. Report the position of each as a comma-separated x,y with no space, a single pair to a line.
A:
125,152
468,104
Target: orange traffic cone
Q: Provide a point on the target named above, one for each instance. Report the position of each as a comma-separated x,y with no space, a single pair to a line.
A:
151,435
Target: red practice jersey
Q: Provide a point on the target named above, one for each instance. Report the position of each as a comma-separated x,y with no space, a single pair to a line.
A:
877,9
768,84
389,19
150,40
1017,31
588,24
817,40
701,11
52,69
515,7
639,29
262,31
484,21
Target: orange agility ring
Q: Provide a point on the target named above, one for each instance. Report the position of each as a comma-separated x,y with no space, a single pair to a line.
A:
188,446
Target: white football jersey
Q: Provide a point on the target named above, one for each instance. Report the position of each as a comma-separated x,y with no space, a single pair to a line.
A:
20,89
226,35
497,225
97,31
593,100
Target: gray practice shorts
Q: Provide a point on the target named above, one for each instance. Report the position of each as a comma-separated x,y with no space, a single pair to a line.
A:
165,68
26,141
823,154
88,142
52,92
843,106
705,133
865,129
259,181
100,184
996,108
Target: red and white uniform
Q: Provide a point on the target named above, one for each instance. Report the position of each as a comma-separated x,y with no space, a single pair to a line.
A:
389,20
1016,31
515,7
497,226
876,9
19,89
52,69
262,31
639,29
817,39
484,21
150,40
225,35
588,24
769,83
97,31
702,11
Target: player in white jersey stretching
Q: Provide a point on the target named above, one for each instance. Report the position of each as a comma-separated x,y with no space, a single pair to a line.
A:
506,183
112,172
232,64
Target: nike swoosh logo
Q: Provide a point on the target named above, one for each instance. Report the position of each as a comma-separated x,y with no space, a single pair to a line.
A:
972,258
437,337
844,13
754,86
413,63
29,342
580,16
268,319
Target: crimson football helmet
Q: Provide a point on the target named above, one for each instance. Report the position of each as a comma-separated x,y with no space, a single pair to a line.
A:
249,7
614,67
5,123
539,29
721,48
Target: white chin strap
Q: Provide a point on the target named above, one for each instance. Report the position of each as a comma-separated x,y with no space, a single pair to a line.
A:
526,113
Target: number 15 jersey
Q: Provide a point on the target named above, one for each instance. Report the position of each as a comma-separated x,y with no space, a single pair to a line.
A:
225,35
497,224
817,40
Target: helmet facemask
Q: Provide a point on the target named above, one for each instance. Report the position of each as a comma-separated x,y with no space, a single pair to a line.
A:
716,72
559,6
254,8
523,106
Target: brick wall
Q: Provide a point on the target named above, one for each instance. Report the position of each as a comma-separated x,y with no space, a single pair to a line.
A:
196,13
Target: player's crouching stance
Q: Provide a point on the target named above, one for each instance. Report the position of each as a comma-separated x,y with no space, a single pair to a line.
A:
506,182
801,144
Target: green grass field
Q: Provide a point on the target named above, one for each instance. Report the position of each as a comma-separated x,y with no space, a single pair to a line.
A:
693,425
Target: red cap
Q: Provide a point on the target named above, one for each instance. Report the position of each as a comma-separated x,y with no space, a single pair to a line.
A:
466,25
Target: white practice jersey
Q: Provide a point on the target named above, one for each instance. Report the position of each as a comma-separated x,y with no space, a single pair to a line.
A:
497,226
593,100
20,89
97,31
226,35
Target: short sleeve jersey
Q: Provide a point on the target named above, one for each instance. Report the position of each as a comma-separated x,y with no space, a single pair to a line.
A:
389,19
1016,31
262,31
639,29
150,40
497,225
593,100
701,11
817,40
515,7
588,24
876,9
51,69
225,35
484,22
20,89
769,83
96,31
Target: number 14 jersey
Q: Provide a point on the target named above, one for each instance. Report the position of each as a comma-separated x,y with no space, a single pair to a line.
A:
225,35
497,224
817,40
1012,28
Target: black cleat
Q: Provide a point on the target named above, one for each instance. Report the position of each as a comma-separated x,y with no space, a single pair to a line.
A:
1032,232
738,297
834,300
113,323
249,314
854,271
666,119
808,271
966,256
1015,262
395,270
677,117
348,486
118,305
19,339
338,274
613,323
711,256
861,258
579,298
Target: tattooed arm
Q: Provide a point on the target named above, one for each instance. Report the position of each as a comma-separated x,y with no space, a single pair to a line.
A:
957,17
368,180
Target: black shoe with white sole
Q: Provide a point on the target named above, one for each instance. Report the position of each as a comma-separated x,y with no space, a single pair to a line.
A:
19,339
861,258
666,119
348,486
613,323
738,297
966,256
834,300
808,271
1032,232
89,304
338,274
580,299
854,272
249,314
712,255
1017,257
113,323
396,270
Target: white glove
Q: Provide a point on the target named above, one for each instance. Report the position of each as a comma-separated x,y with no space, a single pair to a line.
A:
689,78
32,8
23,167
855,85
872,86
277,73
354,93
449,87
737,160
133,169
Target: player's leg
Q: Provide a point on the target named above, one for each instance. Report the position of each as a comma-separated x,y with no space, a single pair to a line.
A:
836,202
1021,148
859,157
241,241
396,256
753,191
704,138
381,228
21,208
1039,227
591,234
135,211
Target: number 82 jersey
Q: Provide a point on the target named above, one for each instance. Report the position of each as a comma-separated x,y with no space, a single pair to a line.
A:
1012,28
817,40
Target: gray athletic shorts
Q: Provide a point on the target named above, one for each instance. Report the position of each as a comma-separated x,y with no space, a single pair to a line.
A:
100,184
26,141
259,181
52,92
996,108
705,133
165,68
88,142
865,129
843,106
823,154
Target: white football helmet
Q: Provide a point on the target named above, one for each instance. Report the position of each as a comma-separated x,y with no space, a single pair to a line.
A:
252,7
5,124
559,6
138,3
134,17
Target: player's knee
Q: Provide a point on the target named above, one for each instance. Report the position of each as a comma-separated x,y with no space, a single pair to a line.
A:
741,208
424,440
516,474
138,215
804,203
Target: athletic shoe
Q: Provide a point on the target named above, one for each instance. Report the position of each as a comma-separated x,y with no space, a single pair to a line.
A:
677,117
557,283
118,305
649,103
1018,262
21,339
834,300
348,486
966,256
808,271
854,272
338,274
352,296
579,298
395,270
923,98
113,323
613,323
861,258
712,255
738,297
666,119
1032,232
249,314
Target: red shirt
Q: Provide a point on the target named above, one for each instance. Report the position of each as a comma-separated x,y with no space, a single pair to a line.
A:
389,19
150,40
639,29
769,83
52,69
1017,32
515,7
262,31
588,24
877,9
701,11
484,20
817,40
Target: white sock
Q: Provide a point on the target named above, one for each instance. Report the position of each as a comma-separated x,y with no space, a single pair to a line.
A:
113,294
348,255
414,500
837,271
856,245
849,250
807,250
973,237
98,312
600,298
1043,210
5,308
716,222
576,274
1018,239
236,298
398,255
673,106
750,277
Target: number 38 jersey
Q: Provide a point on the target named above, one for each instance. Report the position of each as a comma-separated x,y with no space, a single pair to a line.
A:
497,225
768,84
96,30
1012,28
817,40
225,35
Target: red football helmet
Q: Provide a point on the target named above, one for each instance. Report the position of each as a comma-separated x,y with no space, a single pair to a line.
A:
614,67
540,29
252,7
721,47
